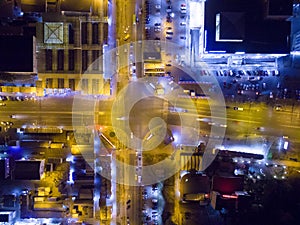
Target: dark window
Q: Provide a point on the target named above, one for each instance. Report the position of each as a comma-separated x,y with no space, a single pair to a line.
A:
71,60
72,84
84,60
95,57
48,53
60,59
95,33
71,34
49,83
84,37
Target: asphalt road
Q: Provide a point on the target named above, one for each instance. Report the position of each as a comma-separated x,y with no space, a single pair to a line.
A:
254,119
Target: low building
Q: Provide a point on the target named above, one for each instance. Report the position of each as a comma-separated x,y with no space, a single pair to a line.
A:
29,169
4,168
7,216
195,187
228,193
237,201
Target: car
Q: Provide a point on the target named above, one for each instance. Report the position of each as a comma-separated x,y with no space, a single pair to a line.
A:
174,109
183,37
238,108
169,30
147,20
169,9
183,6
169,36
157,29
139,179
2,104
20,98
154,216
157,6
278,108
157,24
144,192
13,116
168,64
183,24
126,37
7,123
155,202
169,18
154,188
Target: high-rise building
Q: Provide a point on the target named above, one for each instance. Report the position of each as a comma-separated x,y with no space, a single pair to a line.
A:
69,41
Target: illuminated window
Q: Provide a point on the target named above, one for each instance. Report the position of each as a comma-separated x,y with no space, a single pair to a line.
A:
95,86
84,85
95,56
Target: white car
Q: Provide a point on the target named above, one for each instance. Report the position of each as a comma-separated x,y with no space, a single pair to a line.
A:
169,9
157,29
169,36
183,24
169,32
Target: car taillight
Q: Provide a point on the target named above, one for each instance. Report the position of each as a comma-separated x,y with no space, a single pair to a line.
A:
206,195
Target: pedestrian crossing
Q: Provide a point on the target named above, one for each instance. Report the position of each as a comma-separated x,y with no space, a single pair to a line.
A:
190,161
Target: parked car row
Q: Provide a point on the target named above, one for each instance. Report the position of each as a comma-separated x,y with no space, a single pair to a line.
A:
239,73
15,98
151,211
